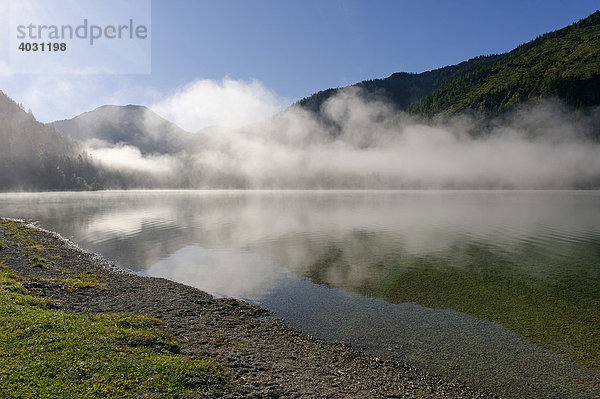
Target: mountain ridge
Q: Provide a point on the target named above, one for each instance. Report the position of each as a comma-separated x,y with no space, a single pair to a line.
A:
35,156
564,60
135,125
562,64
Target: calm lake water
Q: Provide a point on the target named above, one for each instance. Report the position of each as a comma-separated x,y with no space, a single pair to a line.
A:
498,289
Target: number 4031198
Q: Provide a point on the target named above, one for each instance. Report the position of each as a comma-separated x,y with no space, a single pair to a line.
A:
43,46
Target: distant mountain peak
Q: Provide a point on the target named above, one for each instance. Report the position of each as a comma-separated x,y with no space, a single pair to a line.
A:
135,125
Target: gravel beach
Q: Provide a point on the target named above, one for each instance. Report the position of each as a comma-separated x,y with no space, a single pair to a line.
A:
264,357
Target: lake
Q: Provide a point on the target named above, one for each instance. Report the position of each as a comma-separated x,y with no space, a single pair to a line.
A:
500,289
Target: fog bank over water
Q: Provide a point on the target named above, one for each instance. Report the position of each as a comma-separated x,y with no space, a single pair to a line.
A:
356,143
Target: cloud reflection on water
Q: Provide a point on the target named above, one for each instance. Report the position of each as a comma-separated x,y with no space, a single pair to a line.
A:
229,273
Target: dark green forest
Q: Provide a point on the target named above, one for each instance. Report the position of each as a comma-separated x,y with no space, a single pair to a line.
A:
402,89
563,64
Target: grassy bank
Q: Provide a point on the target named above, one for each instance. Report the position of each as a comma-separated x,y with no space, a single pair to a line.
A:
47,352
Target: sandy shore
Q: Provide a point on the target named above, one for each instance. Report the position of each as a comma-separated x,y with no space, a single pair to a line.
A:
264,357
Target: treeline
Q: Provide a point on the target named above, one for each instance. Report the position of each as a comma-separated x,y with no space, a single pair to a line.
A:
402,89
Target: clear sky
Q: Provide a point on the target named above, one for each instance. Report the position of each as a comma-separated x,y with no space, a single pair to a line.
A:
275,52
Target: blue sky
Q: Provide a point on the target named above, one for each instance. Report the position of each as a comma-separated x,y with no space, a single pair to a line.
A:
276,52
298,47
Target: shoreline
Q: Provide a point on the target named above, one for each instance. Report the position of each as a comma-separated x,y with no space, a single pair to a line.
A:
263,356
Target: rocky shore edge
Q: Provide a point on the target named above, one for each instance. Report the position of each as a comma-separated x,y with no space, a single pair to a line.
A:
264,357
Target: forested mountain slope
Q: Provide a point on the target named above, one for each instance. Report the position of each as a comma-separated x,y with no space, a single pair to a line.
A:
34,156
564,64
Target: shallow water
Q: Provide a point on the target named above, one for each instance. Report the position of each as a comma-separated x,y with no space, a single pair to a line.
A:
499,289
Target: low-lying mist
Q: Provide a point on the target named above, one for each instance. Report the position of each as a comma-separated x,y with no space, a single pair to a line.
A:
358,144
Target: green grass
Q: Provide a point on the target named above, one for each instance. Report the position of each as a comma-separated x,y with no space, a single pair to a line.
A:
34,248
19,232
37,258
45,352
76,281
50,353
